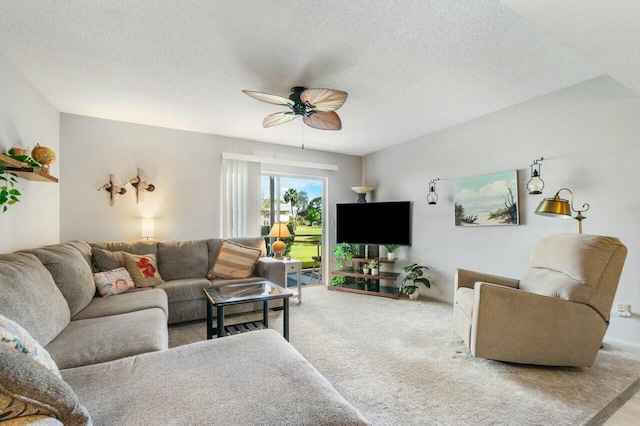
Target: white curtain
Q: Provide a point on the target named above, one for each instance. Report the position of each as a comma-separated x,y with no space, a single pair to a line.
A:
240,198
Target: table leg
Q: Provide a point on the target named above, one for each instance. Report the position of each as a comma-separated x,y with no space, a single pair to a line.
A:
265,313
209,320
286,318
220,320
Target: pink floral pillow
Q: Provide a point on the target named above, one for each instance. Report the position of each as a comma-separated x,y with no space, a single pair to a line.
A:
113,282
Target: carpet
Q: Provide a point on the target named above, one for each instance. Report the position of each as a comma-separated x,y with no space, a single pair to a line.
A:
400,363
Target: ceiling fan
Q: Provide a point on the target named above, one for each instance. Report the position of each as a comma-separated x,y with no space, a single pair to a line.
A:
316,106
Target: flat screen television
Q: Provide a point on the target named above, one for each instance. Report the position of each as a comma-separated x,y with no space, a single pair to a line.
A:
374,223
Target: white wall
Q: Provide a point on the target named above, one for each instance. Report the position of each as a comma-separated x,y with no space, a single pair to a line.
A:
589,135
184,166
27,118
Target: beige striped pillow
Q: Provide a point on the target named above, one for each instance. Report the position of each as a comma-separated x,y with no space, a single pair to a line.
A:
234,261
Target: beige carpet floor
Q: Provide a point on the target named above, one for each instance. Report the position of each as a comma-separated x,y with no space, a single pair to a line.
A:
400,363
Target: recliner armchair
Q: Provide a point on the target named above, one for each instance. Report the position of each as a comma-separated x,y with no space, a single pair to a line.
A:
556,315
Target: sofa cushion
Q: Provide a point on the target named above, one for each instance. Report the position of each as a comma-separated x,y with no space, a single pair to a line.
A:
16,337
95,340
70,272
143,269
115,281
183,259
214,245
464,300
135,247
84,248
234,261
29,389
131,301
247,379
106,260
31,298
187,289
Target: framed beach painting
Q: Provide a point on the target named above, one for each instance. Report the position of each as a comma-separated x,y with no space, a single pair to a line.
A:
489,200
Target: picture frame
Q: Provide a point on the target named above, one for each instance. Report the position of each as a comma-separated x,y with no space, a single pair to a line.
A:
487,200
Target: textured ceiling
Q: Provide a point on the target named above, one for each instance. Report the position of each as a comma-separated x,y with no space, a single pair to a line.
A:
411,67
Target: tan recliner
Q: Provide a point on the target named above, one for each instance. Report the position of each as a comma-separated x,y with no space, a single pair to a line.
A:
556,315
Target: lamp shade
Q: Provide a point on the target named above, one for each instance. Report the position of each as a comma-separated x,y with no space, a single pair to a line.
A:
555,206
147,227
279,230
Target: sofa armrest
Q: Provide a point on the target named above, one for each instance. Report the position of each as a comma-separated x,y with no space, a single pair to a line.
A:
272,270
466,278
516,326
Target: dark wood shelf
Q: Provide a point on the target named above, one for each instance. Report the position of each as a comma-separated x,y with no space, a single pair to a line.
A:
25,171
392,276
389,292
377,259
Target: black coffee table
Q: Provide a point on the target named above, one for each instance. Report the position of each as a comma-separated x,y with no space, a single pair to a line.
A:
236,294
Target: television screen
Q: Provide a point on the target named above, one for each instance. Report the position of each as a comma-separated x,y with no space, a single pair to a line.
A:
374,223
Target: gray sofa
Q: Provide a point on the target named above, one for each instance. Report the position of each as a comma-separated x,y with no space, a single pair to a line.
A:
113,353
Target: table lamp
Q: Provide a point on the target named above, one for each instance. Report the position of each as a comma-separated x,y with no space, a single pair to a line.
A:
559,207
279,230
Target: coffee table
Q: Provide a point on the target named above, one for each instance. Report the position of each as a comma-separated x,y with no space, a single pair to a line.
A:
236,294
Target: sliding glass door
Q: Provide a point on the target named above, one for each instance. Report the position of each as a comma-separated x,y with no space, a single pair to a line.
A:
298,202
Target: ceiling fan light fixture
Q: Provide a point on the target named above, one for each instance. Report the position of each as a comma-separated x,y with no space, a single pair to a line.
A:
316,106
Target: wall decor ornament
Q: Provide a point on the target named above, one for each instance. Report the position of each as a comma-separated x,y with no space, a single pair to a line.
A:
535,184
489,200
142,185
114,188
432,196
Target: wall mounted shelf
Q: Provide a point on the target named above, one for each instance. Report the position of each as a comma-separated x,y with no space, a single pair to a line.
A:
25,171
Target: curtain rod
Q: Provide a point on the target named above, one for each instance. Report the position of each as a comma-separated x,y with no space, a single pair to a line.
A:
278,161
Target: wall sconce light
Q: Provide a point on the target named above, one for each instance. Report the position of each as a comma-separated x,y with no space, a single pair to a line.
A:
114,188
362,192
535,184
142,185
279,230
147,227
558,207
432,196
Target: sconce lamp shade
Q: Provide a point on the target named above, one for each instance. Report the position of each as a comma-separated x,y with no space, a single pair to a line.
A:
558,207
555,206
432,196
536,183
279,230
147,228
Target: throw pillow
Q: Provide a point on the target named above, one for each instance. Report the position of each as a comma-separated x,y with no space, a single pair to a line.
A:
27,389
113,282
14,336
234,261
107,260
143,269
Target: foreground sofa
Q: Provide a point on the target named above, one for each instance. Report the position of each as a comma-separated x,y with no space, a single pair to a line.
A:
113,358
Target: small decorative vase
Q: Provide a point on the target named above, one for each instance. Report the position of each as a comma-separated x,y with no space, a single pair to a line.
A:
414,295
391,256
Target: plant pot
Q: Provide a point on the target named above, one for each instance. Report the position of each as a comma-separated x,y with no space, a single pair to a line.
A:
375,271
414,295
365,271
391,256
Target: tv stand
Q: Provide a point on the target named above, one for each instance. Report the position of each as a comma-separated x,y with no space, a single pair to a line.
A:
367,283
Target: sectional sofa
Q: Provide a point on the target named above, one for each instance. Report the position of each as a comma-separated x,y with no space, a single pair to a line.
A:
112,356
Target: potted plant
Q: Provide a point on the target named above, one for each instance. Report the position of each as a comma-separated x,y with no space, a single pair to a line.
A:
338,281
390,250
365,269
344,252
373,265
414,277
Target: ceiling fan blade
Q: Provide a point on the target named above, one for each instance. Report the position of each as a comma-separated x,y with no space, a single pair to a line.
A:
271,99
278,118
325,120
323,99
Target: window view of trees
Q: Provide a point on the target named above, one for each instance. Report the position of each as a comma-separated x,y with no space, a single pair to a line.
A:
300,206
